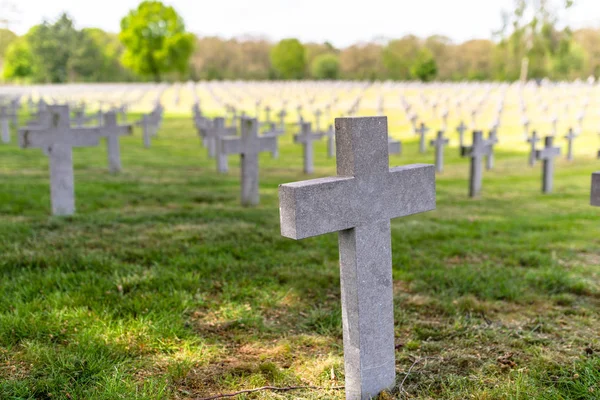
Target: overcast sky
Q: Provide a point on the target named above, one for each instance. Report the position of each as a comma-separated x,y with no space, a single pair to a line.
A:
341,22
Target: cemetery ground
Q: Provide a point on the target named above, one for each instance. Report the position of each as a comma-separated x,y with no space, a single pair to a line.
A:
163,286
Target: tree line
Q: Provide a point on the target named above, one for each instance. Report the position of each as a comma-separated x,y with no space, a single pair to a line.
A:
154,45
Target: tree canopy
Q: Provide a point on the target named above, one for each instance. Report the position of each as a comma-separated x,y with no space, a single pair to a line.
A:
155,40
288,58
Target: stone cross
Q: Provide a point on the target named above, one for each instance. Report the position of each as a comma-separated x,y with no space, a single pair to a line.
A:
422,131
281,116
595,195
359,204
492,140
476,152
111,130
248,146
15,105
547,154
58,140
257,105
275,132
461,132
532,144
525,122
318,120
214,133
79,117
439,143
306,137
570,136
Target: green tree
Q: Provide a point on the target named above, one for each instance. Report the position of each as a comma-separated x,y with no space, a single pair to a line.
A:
325,66
399,55
51,47
530,39
424,67
18,61
6,38
155,40
288,59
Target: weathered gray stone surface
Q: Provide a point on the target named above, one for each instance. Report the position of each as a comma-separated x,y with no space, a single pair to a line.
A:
595,195
111,131
547,155
248,145
439,143
532,147
476,152
58,140
306,137
359,203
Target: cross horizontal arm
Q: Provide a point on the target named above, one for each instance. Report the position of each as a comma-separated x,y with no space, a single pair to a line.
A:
231,145
325,205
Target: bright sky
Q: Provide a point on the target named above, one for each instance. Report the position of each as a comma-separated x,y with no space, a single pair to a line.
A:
342,22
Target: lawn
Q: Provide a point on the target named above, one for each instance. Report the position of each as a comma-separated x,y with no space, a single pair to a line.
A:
162,286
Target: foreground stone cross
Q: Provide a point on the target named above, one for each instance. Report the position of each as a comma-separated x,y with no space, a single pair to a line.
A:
422,131
532,144
306,137
248,145
58,140
570,136
358,204
439,143
595,195
111,130
547,154
476,152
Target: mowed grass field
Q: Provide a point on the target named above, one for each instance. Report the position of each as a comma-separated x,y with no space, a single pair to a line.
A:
163,287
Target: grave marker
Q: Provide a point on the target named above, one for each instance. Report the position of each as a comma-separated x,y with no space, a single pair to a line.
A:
595,194
479,148
306,137
5,118
248,146
394,146
111,130
422,131
359,204
570,136
492,140
438,143
532,147
58,140
461,132
547,154
214,134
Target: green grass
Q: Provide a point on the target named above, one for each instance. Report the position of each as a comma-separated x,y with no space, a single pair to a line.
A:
162,286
